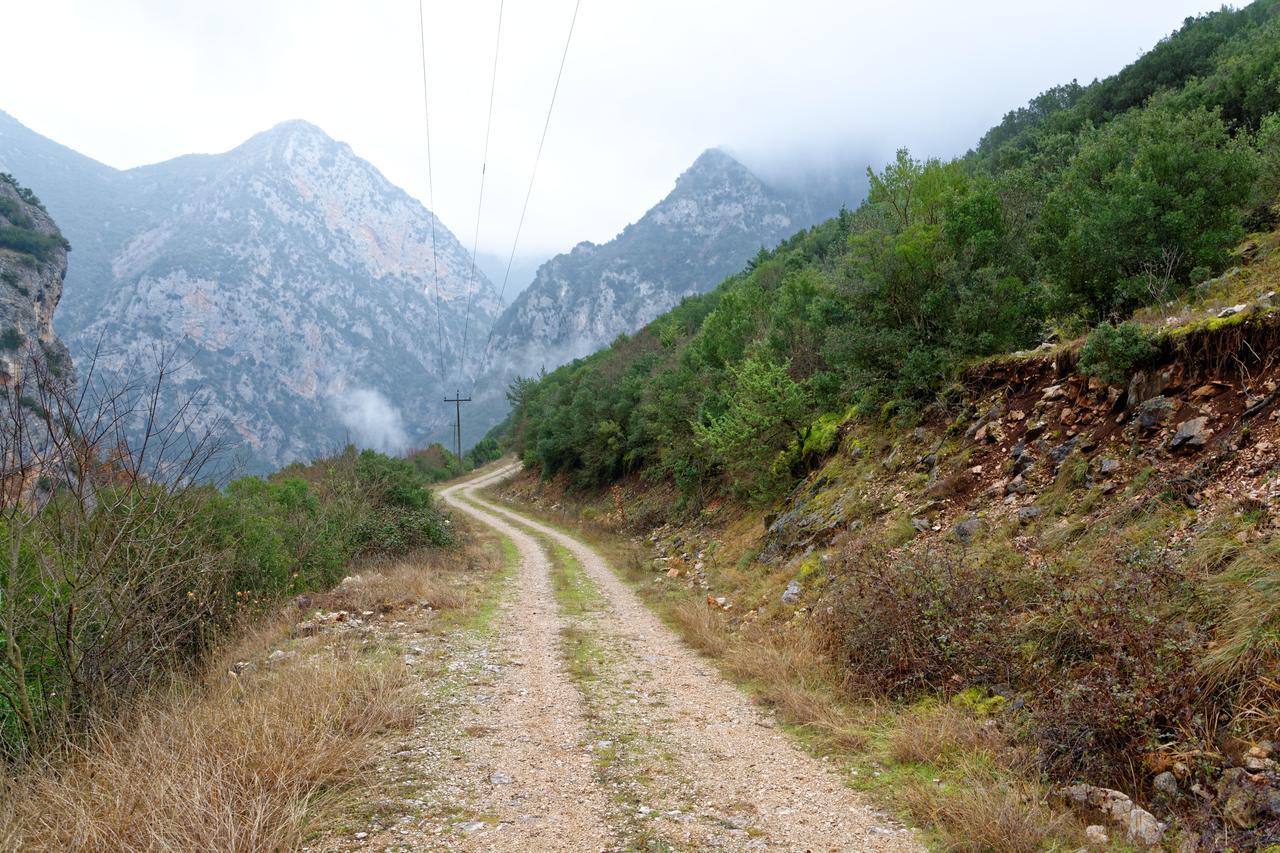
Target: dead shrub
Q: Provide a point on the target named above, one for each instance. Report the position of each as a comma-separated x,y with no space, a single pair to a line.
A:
405,582
903,623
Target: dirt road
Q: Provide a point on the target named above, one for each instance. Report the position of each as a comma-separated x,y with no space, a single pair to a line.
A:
600,730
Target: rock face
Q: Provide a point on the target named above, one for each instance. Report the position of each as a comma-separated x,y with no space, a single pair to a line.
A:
33,264
294,281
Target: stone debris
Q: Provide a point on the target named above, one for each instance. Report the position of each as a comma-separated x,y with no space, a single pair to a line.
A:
1139,825
792,593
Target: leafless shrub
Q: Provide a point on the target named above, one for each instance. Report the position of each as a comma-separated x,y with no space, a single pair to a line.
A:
105,578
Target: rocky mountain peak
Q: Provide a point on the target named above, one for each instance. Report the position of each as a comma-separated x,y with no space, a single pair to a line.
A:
294,279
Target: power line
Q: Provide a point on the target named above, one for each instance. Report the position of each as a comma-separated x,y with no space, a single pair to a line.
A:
534,173
431,194
484,165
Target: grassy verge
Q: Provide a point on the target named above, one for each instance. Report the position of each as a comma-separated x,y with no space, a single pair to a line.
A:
948,769
271,744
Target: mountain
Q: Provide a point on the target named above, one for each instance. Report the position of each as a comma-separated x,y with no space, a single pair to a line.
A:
716,218
293,280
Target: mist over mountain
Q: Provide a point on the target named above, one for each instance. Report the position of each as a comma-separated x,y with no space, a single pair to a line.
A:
293,280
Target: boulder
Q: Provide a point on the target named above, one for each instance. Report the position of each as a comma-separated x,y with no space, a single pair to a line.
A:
1191,433
1108,466
1028,514
1246,799
1146,386
1140,826
1232,310
1154,412
792,593
966,529
1062,451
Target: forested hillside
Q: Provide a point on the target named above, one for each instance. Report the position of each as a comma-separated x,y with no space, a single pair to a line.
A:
1077,209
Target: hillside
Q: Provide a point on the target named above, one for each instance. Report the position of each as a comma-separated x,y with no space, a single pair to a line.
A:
718,215
293,282
1000,443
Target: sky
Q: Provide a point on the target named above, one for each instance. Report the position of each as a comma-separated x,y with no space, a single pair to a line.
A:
647,86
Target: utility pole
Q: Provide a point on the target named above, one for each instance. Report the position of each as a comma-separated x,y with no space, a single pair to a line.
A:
457,401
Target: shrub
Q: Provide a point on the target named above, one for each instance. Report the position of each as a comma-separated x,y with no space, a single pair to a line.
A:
39,246
127,569
1114,353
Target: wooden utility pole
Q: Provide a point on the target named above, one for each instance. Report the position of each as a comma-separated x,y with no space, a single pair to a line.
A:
457,401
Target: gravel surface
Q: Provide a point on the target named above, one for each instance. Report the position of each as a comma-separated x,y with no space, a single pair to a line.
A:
653,747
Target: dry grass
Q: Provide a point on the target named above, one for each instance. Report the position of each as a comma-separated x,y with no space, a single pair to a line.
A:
702,627
986,812
385,586
991,802
941,735
248,762
794,677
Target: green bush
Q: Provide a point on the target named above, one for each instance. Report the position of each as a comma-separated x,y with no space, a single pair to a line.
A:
11,339
39,246
1114,353
121,586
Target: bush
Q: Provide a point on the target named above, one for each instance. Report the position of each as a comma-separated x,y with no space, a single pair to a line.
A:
126,569
1148,197
39,246
1113,353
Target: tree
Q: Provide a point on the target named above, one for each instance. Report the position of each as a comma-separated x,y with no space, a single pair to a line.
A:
1153,186
765,411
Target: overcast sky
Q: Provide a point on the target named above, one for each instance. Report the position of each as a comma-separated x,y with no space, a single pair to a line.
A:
648,85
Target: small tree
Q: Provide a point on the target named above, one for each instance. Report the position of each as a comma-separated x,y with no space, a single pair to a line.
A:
766,411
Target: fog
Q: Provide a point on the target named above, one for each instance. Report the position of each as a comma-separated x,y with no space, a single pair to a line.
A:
790,88
372,420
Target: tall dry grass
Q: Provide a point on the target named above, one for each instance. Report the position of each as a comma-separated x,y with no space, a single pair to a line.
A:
253,761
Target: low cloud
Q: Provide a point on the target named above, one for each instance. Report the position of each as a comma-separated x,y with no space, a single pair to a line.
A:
372,420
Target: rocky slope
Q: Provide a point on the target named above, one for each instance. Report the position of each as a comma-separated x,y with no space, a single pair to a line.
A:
33,264
293,280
